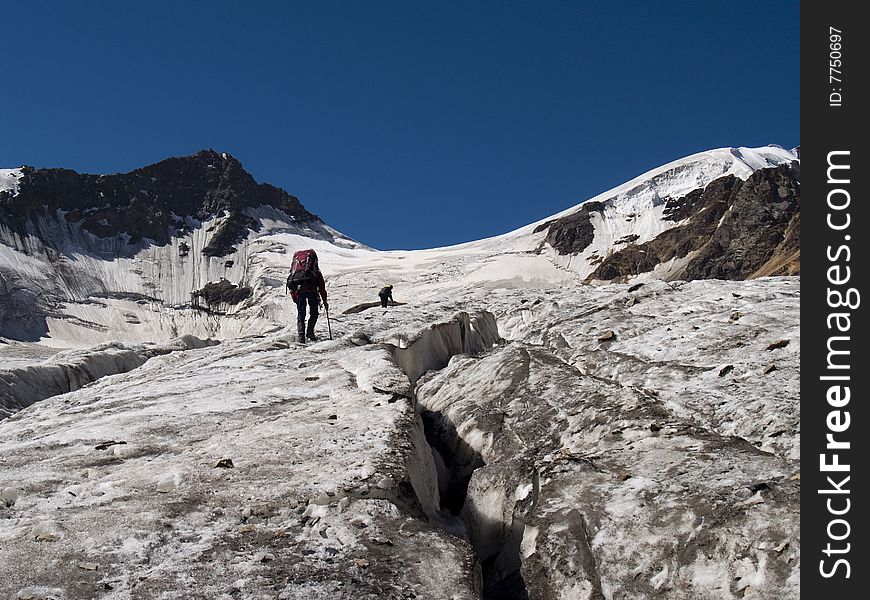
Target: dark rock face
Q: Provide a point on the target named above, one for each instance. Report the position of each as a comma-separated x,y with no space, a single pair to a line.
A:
757,226
740,229
627,239
151,202
573,233
230,231
222,292
786,259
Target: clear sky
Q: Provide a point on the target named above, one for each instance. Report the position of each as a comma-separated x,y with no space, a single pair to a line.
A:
404,124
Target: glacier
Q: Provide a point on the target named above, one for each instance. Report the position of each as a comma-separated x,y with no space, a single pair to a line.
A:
508,432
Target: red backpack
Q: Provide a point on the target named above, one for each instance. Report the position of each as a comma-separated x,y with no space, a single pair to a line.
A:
303,271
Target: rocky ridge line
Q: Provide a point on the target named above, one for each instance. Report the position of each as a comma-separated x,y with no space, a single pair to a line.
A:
156,202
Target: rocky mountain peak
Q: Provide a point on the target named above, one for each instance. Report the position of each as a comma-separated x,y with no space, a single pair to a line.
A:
155,202
730,229
713,215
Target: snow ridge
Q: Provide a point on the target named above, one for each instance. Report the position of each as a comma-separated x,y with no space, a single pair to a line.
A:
680,177
635,209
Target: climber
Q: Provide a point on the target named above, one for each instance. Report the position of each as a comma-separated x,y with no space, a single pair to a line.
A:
304,283
385,294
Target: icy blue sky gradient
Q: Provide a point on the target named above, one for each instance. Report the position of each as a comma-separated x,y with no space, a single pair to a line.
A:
404,124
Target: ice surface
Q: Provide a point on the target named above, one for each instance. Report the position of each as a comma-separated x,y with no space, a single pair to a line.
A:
329,457
651,431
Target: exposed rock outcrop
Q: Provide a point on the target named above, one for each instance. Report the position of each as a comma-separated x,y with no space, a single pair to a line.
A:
222,292
572,233
703,209
757,229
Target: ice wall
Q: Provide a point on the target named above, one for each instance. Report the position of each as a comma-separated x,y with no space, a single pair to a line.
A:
73,369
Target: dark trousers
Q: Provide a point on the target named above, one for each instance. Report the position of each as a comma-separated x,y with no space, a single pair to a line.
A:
303,298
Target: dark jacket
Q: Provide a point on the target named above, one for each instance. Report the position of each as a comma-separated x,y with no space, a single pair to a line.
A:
320,287
386,293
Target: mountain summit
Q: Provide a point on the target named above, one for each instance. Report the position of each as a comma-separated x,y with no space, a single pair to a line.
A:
155,236
155,203
730,213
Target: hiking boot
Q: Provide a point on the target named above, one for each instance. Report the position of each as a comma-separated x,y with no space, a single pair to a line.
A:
301,339
311,336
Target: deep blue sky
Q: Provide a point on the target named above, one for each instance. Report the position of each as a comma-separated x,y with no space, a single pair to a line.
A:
404,124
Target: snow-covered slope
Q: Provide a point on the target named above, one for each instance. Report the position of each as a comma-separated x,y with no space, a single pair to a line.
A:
634,212
644,195
64,284
126,257
144,296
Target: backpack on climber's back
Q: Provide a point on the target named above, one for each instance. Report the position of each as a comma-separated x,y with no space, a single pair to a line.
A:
303,271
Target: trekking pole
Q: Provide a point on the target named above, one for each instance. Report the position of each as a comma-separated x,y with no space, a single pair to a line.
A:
328,326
